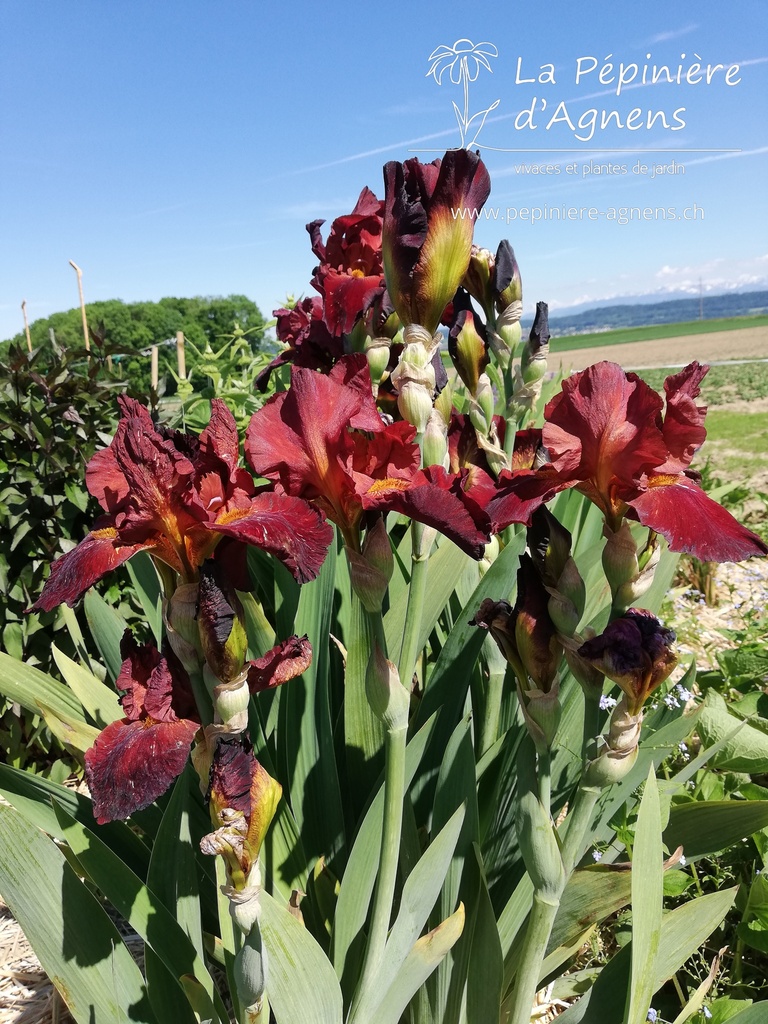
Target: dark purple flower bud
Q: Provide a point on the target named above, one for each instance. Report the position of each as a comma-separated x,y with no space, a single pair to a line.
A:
635,652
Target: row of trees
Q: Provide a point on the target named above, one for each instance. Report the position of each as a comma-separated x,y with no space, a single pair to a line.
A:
137,325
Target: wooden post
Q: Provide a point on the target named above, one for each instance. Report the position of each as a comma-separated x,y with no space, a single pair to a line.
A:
181,358
154,373
86,336
26,324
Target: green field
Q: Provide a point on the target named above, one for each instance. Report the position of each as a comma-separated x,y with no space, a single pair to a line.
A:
726,383
735,448
654,332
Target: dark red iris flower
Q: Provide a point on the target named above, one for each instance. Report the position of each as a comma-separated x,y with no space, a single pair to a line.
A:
635,651
176,496
608,434
324,440
136,758
429,218
308,340
350,272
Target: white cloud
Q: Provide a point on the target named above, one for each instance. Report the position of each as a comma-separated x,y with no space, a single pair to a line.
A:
712,277
715,276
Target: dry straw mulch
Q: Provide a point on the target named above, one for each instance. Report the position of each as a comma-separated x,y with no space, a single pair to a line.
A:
26,994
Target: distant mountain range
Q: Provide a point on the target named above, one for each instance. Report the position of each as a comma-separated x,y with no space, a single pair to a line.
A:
642,312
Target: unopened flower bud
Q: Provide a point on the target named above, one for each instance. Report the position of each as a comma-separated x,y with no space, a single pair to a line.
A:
444,403
648,559
221,622
181,626
387,697
377,549
415,405
533,364
435,443
250,970
507,283
368,582
536,833
550,545
535,635
635,652
377,353
620,563
231,701
467,342
542,712
478,279
567,599
485,399
490,555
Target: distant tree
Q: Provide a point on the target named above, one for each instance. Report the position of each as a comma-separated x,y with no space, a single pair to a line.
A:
137,325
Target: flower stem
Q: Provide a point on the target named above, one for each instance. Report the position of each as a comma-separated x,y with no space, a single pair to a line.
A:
409,651
537,932
576,825
545,779
202,696
545,907
591,720
394,794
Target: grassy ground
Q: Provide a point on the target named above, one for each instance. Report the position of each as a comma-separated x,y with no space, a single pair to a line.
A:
741,381
736,444
654,332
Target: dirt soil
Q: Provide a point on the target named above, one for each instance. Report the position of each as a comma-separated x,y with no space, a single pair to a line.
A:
716,347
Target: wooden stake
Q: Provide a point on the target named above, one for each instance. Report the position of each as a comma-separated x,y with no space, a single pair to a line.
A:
86,336
26,324
154,373
181,358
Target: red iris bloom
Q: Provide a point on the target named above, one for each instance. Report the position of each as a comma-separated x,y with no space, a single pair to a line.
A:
308,340
605,434
136,758
324,440
429,219
176,495
350,271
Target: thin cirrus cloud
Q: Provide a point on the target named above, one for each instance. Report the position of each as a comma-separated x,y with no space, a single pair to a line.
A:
666,37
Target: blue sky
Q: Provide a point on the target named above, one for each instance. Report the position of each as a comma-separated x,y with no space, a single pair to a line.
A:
180,148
